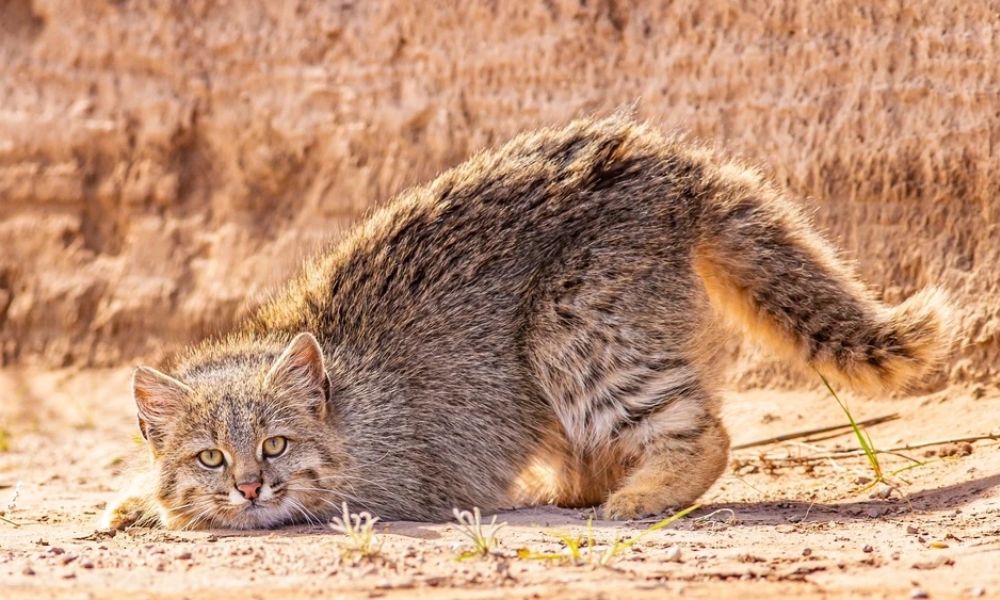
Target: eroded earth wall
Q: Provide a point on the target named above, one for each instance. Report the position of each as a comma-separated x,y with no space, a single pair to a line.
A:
163,164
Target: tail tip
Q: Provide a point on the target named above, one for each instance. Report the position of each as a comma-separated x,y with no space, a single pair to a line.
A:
912,340
922,332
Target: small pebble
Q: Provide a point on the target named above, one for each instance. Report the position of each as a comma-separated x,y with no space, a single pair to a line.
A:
673,554
919,593
878,511
807,552
87,565
883,492
912,530
56,550
28,571
184,556
867,549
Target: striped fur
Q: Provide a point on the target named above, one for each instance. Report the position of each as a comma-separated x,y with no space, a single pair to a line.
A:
538,324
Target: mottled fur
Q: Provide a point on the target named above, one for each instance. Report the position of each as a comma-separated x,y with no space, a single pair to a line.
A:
536,325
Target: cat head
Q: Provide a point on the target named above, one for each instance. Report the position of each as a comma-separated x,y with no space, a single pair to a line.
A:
245,439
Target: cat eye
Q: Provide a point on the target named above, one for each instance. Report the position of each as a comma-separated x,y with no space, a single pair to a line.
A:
274,446
211,459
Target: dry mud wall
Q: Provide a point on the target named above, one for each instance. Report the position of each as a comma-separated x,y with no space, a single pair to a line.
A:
162,164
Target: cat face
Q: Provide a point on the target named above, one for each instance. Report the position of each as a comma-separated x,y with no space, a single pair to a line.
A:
244,443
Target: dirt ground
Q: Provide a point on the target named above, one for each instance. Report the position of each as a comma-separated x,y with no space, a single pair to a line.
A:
164,164
770,527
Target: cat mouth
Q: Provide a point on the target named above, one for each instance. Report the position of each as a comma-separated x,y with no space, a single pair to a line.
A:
258,515
259,505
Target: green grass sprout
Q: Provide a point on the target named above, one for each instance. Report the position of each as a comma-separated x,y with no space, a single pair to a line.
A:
580,550
869,449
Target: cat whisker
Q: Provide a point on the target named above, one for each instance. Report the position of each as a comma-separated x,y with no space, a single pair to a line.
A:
309,516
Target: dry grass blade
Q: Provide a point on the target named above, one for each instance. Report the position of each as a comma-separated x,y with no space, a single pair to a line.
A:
360,531
835,454
11,505
811,432
484,540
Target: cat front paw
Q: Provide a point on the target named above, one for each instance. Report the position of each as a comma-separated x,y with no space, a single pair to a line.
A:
127,512
633,504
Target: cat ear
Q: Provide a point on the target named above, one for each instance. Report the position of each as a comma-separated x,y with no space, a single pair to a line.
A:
300,372
158,397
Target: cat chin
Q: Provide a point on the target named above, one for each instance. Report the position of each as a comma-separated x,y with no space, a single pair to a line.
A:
270,516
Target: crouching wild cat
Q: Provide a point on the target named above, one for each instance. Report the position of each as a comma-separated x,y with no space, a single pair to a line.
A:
536,325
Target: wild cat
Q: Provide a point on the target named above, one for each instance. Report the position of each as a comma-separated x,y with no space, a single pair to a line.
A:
536,325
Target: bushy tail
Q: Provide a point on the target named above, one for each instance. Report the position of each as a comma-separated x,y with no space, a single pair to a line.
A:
764,265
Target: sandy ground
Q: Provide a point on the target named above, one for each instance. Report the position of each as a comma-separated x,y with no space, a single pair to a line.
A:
768,528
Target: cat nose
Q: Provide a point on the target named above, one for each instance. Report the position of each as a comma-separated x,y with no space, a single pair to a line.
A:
249,489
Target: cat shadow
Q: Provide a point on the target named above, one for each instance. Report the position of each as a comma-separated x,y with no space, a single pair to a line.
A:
778,512
947,497
746,514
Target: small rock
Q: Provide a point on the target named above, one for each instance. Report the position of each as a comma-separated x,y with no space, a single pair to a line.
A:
868,549
930,565
807,552
977,592
184,556
56,550
28,571
882,492
912,530
87,565
673,554
862,480
919,593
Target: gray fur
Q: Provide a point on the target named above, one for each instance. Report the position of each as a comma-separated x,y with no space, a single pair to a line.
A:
538,324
